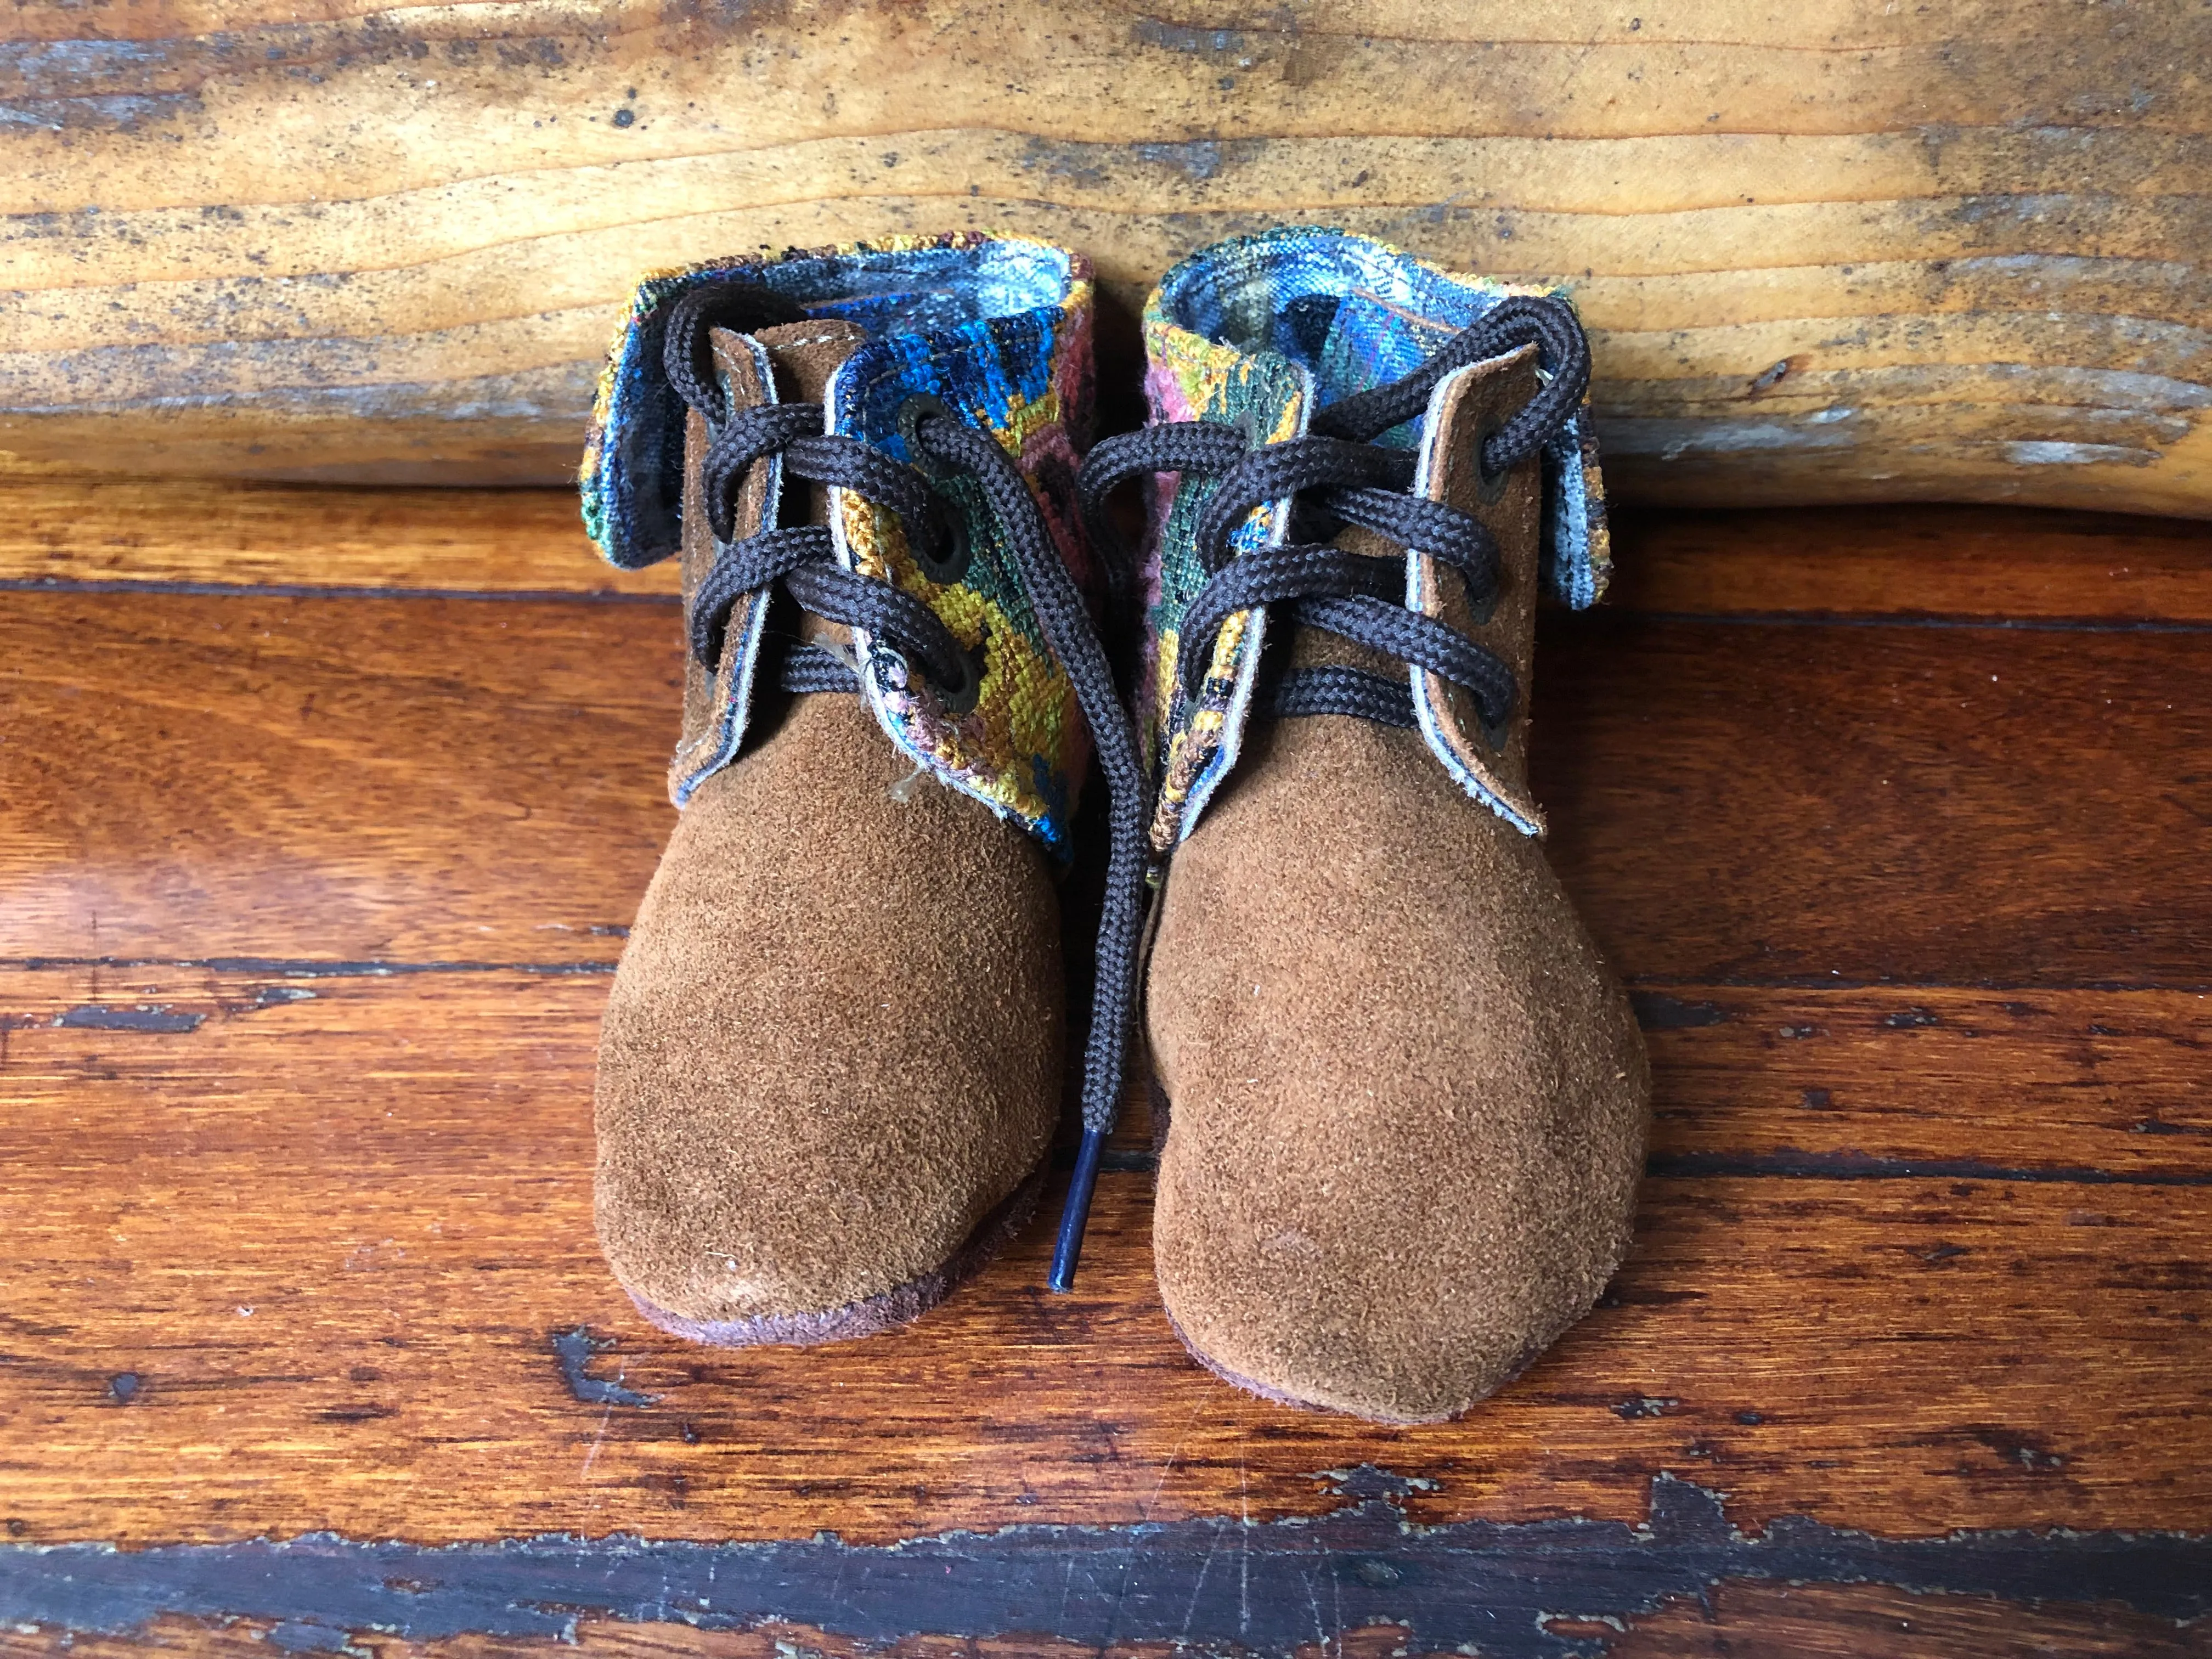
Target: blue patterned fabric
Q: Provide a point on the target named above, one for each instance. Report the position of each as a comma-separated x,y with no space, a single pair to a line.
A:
633,463
1354,314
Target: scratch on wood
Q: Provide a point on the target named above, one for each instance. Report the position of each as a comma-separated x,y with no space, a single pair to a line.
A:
1498,1586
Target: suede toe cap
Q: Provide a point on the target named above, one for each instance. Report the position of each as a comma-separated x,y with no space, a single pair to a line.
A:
1408,1097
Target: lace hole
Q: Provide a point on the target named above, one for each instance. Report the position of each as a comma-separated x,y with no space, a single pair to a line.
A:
1481,596
945,554
960,698
911,414
1490,482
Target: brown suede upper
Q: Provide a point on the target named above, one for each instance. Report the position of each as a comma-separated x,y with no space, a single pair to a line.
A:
834,1043
832,1054
1408,1098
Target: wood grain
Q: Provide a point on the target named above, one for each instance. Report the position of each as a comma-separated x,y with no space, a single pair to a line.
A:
64,527
2015,564
407,780
1751,1620
1974,805
331,1225
1828,253
2082,1086
61,525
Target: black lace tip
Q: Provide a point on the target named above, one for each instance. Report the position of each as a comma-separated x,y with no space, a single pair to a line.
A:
1069,1248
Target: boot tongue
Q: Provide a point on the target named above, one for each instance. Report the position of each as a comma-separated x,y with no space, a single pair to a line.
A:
802,357
1370,343
807,357
808,354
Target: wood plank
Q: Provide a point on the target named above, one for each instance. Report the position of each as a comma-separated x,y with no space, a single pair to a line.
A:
2075,1086
1828,253
2069,1086
64,526
59,526
2017,564
1751,1620
191,777
1968,806
410,781
1916,1257
288,1261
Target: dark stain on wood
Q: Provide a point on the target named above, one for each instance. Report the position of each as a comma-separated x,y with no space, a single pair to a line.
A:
1267,1588
1912,1019
1657,1012
95,1019
1789,1163
575,1350
370,1412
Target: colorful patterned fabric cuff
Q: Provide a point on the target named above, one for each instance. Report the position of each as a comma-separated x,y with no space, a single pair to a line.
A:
1259,333
998,331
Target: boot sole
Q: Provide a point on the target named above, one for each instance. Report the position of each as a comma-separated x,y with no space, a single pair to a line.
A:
886,1310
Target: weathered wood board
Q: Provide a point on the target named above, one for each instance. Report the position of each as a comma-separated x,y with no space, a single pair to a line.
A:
1842,250
321,816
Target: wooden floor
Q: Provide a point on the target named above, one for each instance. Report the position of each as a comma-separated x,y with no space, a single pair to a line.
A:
322,815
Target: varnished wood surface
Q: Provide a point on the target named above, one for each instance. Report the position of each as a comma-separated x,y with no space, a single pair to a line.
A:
307,905
374,1353
457,780
2013,565
1842,250
65,526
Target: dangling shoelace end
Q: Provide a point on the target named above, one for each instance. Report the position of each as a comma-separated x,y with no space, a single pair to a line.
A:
1065,619
1068,1248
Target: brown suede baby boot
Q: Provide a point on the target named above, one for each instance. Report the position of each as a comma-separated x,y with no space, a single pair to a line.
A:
830,1066
1407,1097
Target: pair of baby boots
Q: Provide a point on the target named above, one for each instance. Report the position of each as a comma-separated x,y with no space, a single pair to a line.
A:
1403,1099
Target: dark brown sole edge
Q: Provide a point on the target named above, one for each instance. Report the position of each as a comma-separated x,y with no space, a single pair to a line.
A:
1276,1397
886,1310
